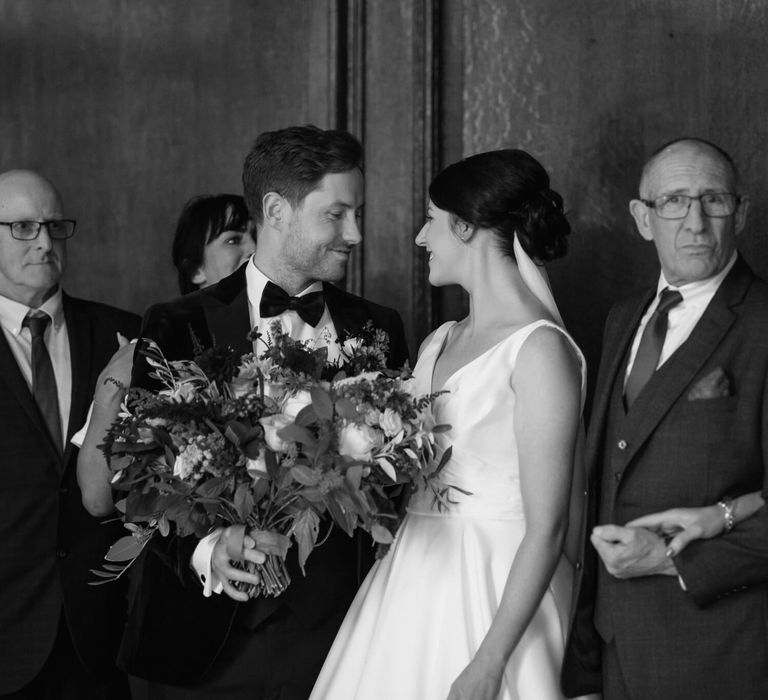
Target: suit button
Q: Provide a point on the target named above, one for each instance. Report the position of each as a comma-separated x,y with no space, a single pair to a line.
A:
578,566
622,444
617,477
61,553
64,490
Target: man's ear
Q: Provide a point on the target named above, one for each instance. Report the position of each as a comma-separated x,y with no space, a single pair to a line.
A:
641,214
275,208
741,215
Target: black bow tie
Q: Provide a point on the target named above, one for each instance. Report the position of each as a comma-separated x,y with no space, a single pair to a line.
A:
275,301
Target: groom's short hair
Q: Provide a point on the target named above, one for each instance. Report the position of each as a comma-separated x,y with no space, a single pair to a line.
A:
292,162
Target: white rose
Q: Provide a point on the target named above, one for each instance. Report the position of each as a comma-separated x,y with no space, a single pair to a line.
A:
295,402
272,425
390,422
186,461
257,468
359,441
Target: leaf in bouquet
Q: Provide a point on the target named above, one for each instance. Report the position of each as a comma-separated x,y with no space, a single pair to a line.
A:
273,468
296,433
313,495
164,526
306,476
260,489
102,573
350,503
346,409
241,434
306,416
114,567
386,465
125,549
321,402
243,501
442,428
213,488
354,475
305,529
139,506
381,535
339,515
170,457
444,459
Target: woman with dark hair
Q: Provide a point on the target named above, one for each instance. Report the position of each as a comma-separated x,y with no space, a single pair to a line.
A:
212,240
473,598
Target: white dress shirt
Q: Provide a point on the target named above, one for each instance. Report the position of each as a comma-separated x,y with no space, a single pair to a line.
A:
12,314
324,334
683,317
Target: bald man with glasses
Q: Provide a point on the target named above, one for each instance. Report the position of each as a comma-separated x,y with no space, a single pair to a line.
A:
680,421
58,635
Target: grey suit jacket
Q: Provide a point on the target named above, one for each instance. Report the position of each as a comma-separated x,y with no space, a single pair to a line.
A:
676,451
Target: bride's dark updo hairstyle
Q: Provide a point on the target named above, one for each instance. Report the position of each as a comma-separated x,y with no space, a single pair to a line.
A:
508,192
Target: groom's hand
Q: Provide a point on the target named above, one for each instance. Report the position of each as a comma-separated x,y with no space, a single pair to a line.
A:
235,546
630,552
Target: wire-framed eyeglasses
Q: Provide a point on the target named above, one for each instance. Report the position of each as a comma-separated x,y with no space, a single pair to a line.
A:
676,206
58,229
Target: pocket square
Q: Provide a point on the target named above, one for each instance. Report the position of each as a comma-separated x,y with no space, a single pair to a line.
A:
714,385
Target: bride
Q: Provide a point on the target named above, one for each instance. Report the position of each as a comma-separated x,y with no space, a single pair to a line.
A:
472,600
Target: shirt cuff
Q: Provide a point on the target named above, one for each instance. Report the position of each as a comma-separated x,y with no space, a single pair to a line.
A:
201,563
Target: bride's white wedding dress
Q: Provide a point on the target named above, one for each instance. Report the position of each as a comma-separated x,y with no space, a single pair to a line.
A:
424,608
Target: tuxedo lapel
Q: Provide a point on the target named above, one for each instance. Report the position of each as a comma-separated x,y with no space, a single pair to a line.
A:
347,316
11,375
225,306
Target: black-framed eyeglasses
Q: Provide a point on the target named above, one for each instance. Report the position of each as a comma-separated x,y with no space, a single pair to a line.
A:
676,206
58,229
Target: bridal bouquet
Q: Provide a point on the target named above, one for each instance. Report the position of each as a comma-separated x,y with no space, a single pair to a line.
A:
275,441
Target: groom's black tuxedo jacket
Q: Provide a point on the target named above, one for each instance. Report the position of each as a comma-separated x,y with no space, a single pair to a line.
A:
682,445
48,541
174,633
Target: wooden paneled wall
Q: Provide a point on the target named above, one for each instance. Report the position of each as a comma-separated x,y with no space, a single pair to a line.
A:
133,106
591,88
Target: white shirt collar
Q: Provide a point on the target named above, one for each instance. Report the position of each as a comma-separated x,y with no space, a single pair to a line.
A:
12,312
256,280
693,292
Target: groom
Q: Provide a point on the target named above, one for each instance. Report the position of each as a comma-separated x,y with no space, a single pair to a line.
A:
304,190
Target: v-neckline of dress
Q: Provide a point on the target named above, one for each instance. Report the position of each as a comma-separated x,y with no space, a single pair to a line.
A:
460,369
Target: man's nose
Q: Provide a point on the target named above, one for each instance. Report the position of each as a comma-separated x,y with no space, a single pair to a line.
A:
44,240
352,235
695,219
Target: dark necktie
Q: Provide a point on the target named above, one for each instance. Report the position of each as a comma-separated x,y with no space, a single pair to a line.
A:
649,350
275,301
43,379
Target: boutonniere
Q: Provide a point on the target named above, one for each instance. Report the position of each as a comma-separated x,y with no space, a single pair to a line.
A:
714,385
